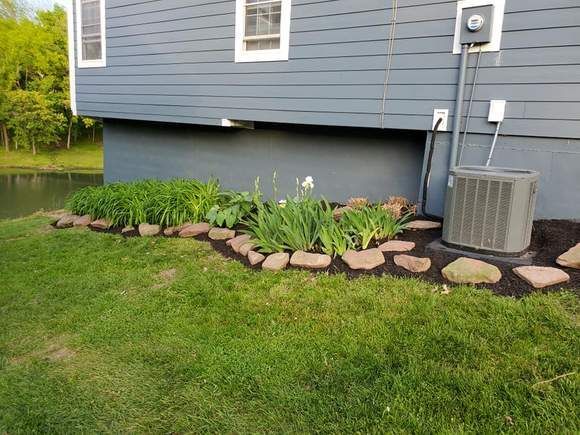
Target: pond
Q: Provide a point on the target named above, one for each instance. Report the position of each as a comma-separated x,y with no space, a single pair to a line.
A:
23,192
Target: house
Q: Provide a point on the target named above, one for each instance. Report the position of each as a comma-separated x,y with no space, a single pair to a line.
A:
345,91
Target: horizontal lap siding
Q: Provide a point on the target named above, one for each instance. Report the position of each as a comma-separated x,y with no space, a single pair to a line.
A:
175,59
537,70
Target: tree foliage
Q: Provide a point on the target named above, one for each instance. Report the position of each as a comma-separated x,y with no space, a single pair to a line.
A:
34,83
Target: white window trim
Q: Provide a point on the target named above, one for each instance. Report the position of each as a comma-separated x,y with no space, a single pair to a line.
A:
96,62
71,58
262,55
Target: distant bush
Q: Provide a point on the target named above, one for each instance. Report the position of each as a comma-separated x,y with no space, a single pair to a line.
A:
166,203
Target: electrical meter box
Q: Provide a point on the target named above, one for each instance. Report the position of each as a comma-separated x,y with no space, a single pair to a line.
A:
476,25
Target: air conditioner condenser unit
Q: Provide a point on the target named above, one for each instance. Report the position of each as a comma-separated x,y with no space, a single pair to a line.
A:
490,209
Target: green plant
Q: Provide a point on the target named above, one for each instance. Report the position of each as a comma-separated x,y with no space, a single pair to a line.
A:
361,225
368,223
293,224
334,240
233,207
165,203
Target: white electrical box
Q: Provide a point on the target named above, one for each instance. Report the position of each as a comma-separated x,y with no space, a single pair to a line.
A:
496,111
440,114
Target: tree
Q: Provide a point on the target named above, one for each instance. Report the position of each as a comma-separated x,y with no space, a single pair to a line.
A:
34,58
33,120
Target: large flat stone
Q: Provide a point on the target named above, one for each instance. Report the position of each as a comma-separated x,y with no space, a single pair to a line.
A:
412,264
193,230
423,225
365,260
470,271
255,257
309,260
237,242
245,248
66,221
82,221
397,246
540,277
102,224
570,258
217,233
170,231
148,230
275,262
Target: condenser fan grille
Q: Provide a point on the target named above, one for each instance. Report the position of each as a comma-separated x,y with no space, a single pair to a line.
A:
490,212
481,215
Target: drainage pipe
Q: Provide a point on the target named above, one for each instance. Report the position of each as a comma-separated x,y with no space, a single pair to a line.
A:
427,177
458,113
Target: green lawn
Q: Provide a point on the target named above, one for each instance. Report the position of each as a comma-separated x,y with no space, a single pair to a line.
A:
83,155
96,334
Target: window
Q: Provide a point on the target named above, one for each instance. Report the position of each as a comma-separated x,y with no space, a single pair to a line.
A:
262,30
91,48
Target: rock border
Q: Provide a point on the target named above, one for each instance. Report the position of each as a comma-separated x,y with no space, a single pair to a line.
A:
358,261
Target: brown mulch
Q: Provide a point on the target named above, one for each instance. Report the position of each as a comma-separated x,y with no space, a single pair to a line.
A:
550,238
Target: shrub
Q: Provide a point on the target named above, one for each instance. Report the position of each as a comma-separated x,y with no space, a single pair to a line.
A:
294,224
368,223
334,239
233,207
165,203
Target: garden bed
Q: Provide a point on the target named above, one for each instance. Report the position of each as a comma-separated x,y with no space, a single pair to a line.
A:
549,239
308,232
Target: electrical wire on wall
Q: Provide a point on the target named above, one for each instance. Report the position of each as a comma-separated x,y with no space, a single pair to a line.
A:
389,60
468,118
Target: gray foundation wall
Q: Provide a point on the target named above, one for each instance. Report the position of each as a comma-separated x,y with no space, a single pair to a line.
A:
557,160
344,162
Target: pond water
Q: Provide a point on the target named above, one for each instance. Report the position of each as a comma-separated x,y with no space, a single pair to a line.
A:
23,192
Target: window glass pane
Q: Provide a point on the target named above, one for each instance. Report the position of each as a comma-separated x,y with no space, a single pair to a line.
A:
91,29
262,30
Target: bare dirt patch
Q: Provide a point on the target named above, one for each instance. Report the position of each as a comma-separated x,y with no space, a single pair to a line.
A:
165,278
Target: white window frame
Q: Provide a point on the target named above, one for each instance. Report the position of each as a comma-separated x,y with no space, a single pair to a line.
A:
93,63
262,55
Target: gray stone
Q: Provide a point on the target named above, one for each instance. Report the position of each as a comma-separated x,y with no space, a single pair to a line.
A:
366,260
245,248
412,264
171,231
570,258
540,277
423,225
66,221
193,230
237,242
255,257
221,233
148,230
82,221
470,271
127,229
397,246
275,262
102,224
309,260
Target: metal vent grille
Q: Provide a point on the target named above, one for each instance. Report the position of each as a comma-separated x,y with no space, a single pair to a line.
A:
481,213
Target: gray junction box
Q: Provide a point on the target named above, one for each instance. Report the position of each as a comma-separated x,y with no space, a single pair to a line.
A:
476,25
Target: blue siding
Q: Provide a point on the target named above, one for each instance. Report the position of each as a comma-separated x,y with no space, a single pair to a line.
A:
172,60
